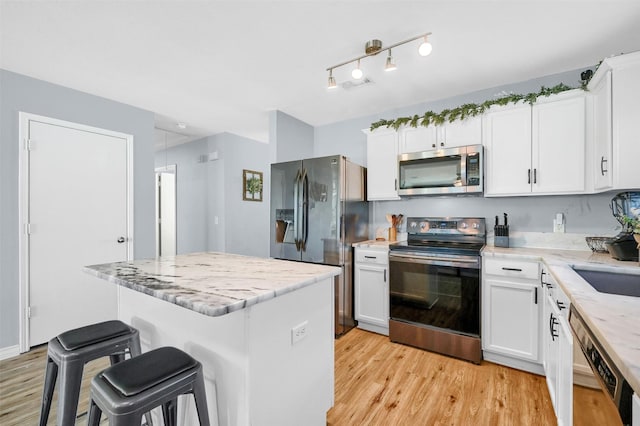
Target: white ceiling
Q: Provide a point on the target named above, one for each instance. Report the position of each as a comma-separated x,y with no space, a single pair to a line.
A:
221,66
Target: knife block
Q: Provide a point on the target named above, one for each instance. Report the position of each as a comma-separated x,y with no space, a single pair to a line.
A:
501,236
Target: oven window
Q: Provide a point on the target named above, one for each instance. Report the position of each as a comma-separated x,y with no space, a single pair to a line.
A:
431,172
438,296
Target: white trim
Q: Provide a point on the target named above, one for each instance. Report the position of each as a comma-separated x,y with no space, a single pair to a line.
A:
9,352
23,208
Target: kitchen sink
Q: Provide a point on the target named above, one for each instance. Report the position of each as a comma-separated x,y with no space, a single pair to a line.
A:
625,284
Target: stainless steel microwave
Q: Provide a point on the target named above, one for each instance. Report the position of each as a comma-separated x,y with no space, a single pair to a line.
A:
443,171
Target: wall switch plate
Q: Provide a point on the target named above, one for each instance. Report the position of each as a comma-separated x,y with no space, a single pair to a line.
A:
558,223
299,332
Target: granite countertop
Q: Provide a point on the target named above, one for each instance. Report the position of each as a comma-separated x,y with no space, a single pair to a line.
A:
613,319
213,284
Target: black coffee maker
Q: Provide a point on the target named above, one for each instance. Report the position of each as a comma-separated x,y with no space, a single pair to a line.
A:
623,246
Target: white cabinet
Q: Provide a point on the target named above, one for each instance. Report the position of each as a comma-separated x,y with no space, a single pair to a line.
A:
536,150
415,139
448,135
600,132
371,289
507,139
615,90
382,164
511,313
635,410
626,125
557,350
559,144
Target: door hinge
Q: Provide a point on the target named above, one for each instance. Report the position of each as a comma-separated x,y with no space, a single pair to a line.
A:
27,228
28,144
28,311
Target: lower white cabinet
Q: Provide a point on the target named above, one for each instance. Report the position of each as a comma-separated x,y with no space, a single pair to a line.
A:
371,289
635,410
557,350
511,313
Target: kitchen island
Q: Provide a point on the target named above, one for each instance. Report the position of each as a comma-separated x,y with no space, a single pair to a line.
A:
262,328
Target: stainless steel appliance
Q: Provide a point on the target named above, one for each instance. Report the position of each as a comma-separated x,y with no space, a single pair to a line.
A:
443,171
623,246
318,210
434,286
612,381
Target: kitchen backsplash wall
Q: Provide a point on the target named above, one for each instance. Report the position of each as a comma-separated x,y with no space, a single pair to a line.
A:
584,214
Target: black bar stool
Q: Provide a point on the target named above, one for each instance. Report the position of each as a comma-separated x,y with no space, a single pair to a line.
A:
125,391
70,351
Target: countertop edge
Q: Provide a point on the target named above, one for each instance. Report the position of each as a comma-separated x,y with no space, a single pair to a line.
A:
206,309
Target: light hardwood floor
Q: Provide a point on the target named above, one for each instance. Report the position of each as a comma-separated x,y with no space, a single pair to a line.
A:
377,383
384,383
21,382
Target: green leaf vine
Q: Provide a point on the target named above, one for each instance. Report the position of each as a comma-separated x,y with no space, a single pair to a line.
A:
470,109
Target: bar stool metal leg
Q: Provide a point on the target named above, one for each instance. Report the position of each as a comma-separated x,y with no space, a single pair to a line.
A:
51,374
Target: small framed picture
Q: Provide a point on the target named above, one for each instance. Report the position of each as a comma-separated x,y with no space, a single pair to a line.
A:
251,185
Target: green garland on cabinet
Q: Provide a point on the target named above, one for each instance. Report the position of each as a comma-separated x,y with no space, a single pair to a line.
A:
468,110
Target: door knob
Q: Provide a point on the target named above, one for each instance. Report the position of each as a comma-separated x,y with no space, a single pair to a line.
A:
121,240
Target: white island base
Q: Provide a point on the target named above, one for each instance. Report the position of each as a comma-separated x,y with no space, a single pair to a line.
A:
252,367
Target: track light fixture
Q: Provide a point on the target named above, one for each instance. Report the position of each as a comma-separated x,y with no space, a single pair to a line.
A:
372,48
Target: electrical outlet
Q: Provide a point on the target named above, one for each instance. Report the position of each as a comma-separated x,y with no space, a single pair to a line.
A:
299,332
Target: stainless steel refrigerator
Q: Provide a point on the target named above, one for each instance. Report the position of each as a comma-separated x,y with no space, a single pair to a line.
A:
318,210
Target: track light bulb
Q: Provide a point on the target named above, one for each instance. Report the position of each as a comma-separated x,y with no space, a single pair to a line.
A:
389,66
357,72
332,81
425,48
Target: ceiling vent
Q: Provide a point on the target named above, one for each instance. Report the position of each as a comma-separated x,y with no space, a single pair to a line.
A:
352,84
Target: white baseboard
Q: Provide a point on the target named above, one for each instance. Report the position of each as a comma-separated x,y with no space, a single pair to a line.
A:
9,352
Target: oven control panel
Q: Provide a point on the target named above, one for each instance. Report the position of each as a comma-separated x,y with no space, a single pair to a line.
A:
448,225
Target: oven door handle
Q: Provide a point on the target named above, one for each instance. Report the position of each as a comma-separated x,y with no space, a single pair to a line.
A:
429,260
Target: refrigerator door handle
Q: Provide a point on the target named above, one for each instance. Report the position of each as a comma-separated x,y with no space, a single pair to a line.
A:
305,209
296,196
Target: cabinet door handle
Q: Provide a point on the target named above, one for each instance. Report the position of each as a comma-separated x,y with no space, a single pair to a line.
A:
370,257
535,296
552,323
603,161
385,275
441,143
504,268
535,173
560,305
433,145
395,185
529,176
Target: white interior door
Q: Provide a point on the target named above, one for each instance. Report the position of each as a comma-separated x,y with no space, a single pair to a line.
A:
77,207
166,211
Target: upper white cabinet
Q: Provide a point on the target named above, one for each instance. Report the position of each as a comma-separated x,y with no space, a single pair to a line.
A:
536,150
626,120
448,135
600,131
382,164
614,129
559,144
507,139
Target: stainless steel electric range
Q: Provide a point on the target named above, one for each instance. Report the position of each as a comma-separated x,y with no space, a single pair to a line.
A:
434,286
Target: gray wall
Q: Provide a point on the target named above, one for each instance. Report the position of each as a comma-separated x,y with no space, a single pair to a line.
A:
584,213
22,93
289,138
209,189
192,226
